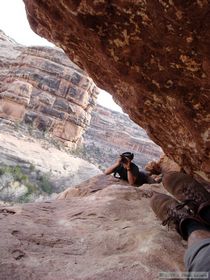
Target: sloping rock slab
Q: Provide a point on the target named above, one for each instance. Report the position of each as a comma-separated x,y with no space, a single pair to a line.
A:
109,234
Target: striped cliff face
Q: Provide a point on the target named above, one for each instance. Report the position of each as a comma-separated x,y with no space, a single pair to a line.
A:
43,88
111,133
152,56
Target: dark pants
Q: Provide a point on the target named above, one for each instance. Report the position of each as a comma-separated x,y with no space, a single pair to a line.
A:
197,258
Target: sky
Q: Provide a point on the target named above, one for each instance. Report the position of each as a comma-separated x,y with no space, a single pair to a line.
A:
14,23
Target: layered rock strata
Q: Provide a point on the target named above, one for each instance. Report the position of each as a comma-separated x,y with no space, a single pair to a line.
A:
152,56
111,133
106,231
43,88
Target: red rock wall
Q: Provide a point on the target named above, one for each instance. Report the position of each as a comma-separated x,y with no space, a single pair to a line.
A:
42,87
153,56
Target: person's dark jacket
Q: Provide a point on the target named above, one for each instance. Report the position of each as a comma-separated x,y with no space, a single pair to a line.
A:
121,173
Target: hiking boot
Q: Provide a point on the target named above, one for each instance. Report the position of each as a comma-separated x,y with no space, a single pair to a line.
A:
170,212
190,192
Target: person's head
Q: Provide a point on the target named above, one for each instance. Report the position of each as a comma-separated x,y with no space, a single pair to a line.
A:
126,155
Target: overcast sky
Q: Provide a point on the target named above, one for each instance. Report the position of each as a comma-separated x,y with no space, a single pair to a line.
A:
13,22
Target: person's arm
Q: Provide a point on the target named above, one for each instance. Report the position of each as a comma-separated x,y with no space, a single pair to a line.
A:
112,168
131,177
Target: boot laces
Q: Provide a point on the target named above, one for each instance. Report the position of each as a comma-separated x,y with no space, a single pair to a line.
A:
191,204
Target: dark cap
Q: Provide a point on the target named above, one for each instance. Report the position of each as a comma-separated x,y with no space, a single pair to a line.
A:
128,155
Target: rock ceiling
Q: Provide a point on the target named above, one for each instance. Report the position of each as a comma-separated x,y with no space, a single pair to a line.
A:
152,56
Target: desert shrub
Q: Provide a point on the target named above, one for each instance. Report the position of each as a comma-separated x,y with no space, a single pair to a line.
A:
1,171
32,167
18,174
24,198
35,186
15,171
45,184
31,188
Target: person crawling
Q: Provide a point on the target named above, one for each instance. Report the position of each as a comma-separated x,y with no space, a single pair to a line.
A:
126,170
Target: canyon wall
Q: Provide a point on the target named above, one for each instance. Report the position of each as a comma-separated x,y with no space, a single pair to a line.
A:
152,56
111,133
40,86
